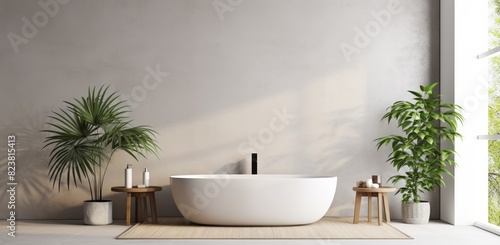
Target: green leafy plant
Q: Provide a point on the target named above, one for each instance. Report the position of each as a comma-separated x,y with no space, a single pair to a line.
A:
87,133
494,157
424,121
493,118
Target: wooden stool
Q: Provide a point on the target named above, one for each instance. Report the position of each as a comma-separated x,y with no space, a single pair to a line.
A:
380,194
140,194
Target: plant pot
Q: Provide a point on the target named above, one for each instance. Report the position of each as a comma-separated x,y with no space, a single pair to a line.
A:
416,213
98,212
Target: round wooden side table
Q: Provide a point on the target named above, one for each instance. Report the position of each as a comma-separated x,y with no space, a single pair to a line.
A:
381,195
140,194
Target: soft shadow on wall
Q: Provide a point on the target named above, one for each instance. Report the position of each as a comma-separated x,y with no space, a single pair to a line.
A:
226,79
34,190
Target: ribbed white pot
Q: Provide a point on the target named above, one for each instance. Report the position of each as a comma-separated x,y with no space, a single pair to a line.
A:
416,213
98,212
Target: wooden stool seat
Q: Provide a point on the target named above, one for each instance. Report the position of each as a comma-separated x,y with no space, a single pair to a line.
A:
141,195
380,194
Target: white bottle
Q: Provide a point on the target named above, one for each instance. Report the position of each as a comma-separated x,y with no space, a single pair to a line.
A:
128,176
145,177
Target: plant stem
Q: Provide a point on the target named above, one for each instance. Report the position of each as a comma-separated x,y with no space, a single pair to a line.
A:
106,169
90,188
99,182
95,183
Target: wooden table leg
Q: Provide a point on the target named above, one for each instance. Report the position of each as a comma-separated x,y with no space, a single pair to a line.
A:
356,207
152,203
137,203
145,208
386,208
369,207
129,200
379,205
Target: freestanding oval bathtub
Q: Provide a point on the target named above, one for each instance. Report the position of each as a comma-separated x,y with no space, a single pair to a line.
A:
253,200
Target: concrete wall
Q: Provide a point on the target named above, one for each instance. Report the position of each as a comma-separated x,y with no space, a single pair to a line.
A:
210,77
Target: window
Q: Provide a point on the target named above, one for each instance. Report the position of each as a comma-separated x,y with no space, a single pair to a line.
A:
494,117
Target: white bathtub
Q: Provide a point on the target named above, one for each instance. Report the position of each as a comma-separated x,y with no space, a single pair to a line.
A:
253,200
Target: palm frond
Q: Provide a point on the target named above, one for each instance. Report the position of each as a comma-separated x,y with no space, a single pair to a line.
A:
84,134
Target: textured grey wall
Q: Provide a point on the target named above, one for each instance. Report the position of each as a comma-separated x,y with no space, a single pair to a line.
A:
211,77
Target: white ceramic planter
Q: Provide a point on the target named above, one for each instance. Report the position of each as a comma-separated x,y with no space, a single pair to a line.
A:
416,213
98,212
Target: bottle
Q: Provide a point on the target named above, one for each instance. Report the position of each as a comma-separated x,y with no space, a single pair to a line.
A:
376,179
128,176
145,177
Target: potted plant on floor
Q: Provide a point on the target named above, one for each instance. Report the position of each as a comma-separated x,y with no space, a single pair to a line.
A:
425,121
85,135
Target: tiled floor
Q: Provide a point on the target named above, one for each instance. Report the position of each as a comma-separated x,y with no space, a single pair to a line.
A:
70,232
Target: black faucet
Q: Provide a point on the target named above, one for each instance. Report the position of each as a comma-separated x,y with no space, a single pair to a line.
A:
254,163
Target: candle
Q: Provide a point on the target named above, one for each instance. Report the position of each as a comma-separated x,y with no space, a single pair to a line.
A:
369,183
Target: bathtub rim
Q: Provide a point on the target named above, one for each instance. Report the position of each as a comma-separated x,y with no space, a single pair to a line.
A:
252,176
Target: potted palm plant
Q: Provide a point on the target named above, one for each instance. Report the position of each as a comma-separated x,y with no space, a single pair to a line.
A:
425,121
84,137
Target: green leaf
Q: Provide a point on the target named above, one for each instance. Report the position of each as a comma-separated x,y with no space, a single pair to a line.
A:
86,133
417,94
423,122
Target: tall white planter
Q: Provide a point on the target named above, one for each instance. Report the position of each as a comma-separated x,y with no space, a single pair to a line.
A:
416,213
98,212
